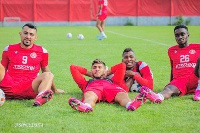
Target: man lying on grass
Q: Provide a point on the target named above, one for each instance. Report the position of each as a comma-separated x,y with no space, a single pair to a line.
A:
100,88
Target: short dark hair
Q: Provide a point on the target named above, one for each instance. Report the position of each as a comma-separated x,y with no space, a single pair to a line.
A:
127,50
98,61
30,26
180,26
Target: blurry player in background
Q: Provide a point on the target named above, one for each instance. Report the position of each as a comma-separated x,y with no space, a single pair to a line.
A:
138,73
20,66
185,70
100,88
102,15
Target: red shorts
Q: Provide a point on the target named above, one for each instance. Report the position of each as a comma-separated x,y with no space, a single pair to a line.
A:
103,16
186,85
105,90
17,90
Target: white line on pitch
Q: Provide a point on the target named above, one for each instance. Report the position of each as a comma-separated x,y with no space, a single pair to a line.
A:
138,38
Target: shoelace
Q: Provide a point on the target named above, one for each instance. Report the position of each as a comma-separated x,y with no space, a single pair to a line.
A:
46,96
142,95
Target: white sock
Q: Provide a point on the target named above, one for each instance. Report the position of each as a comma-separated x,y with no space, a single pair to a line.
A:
88,105
39,93
161,96
128,104
198,87
103,34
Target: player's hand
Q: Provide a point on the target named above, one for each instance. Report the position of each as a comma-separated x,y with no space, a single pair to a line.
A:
59,91
130,73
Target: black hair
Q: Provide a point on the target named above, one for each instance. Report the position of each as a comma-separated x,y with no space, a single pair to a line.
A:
98,61
180,26
30,26
127,50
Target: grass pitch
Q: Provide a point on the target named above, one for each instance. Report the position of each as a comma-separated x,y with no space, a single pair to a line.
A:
150,43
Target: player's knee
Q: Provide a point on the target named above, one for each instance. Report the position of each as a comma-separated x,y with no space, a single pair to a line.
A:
98,25
48,75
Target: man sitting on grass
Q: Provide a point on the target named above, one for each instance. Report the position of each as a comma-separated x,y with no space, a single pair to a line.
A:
20,66
185,69
100,88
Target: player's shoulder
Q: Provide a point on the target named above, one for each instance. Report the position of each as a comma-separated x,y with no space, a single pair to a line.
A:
37,47
11,47
193,45
142,64
173,47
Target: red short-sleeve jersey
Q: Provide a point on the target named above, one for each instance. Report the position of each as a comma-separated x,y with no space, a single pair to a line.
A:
104,4
22,64
183,60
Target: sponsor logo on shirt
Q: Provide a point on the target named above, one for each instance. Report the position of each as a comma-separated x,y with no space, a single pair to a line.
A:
185,65
24,67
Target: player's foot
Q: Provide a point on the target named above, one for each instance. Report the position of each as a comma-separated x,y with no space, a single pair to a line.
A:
137,102
43,98
197,95
101,37
78,105
153,97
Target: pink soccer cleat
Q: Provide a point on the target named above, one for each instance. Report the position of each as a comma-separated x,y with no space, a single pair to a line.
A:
152,96
197,95
78,105
137,102
43,98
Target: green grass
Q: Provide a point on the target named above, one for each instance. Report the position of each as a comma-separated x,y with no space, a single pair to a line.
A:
150,43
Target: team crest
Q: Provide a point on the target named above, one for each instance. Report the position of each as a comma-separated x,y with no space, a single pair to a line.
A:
192,51
33,55
175,51
16,52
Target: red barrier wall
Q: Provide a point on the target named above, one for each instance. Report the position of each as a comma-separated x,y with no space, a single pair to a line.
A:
86,10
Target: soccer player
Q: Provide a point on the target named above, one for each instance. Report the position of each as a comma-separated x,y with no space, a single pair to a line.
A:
185,70
137,73
20,66
100,88
101,16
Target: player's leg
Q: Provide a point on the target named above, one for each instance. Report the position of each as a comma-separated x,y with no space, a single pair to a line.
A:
2,72
43,82
102,27
42,85
98,25
197,68
169,91
90,98
122,98
197,73
102,24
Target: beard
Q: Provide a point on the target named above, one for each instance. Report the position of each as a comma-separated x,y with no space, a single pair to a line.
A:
26,43
181,45
97,77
